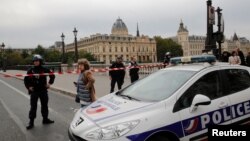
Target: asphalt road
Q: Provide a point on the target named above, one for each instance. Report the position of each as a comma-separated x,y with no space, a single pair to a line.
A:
14,109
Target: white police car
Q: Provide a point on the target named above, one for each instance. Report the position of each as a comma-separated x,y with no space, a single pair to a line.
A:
175,103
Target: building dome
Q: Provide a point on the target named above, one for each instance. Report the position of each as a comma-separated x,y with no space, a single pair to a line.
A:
119,28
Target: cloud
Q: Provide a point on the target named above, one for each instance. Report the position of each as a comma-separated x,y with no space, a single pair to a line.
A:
27,23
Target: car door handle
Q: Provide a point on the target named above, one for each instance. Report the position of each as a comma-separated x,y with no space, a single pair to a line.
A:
223,105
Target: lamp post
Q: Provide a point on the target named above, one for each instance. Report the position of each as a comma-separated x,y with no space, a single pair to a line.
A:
220,33
3,56
76,50
63,50
137,56
210,41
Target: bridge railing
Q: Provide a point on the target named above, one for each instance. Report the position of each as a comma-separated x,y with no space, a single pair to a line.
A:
147,68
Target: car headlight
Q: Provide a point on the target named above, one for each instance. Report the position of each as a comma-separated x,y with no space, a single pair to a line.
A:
113,131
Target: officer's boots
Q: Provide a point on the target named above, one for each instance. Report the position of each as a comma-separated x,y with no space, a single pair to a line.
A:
30,125
47,121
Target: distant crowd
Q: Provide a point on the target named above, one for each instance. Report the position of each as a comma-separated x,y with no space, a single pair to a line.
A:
236,57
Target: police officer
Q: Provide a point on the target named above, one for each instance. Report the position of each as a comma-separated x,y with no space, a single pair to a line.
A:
37,87
117,76
167,59
134,69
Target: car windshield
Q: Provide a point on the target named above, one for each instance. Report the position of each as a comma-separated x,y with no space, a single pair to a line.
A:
157,86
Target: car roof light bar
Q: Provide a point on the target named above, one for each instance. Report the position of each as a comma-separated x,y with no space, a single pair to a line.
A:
193,59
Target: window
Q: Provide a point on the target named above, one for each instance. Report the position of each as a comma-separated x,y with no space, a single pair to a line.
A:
158,86
208,85
237,79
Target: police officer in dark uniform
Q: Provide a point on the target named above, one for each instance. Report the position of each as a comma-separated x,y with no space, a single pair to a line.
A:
37,86
167,59
117,76
134,69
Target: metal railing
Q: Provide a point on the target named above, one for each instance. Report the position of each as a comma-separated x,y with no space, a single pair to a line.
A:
58,67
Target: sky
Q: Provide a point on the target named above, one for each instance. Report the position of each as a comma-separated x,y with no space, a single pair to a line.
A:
28,23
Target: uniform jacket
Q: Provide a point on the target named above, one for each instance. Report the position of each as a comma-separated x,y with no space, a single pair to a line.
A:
117,74
38,82
135,70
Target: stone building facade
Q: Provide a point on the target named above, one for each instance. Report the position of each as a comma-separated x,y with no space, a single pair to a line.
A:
193,45
106,48
236,42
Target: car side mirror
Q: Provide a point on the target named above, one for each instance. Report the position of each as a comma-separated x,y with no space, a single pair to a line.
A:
199,99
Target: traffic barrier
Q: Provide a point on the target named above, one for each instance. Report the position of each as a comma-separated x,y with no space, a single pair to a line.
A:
145,69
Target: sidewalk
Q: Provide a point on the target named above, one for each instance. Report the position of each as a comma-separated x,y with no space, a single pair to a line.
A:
64,82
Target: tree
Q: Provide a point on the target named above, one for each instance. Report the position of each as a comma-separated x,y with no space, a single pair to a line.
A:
14,58
69,57
87,55
40,50
167,45
28,60
53,56
24,54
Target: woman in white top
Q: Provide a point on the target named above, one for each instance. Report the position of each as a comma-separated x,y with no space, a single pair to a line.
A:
234,59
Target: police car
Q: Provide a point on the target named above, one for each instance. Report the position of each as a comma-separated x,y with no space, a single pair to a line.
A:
172,104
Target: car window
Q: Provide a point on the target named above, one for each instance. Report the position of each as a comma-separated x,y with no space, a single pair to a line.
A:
208,85
158,86
237,80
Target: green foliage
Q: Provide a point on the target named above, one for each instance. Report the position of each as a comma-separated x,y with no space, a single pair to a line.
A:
52,56
39,50
69,57
84,54
167,45
8,51
24,54
13,58
28,60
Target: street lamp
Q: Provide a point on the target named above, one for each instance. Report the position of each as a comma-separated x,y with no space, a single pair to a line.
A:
4,69
210,41
76,50
63,50
220,33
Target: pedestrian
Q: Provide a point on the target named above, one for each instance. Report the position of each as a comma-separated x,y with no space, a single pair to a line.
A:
38,86
242,57
117,76
133,70
248,59
167,59
85,84
225,56
234,59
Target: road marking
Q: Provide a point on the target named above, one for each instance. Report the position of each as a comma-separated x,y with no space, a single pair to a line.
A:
17,121
25,95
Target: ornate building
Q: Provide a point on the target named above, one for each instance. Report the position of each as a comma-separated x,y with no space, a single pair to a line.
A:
235,42
106,48
193,45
